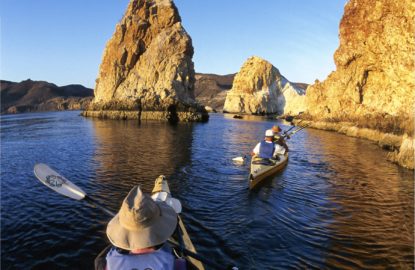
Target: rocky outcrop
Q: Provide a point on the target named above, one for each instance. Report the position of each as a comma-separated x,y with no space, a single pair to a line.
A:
259,88
211,89
147,67
36,96
373,84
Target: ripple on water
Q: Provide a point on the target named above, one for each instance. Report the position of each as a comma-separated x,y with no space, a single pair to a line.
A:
337,205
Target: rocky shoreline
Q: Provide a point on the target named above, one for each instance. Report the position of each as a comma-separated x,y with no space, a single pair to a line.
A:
149,115
401,147
170,110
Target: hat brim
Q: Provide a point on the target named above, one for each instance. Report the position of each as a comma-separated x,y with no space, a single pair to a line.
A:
157,233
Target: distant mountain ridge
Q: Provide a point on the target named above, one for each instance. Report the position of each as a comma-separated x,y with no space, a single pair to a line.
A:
211,89
30,96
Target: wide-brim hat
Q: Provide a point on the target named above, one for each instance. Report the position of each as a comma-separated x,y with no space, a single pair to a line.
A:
141,222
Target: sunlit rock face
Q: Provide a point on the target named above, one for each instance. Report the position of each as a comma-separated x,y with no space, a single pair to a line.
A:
374,75
373,84
259,88
147,66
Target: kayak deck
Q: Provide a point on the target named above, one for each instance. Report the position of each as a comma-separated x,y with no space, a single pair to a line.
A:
262,170
161,185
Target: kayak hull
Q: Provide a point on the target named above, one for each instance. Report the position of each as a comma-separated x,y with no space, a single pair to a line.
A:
260,172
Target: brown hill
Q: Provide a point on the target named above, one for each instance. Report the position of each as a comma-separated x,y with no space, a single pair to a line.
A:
29,96
211,89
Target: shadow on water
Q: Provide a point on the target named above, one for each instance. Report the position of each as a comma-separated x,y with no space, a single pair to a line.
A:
337,205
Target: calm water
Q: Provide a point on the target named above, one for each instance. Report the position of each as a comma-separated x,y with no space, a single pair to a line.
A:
337,205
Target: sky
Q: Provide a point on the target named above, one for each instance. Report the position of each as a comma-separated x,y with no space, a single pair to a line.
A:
63,41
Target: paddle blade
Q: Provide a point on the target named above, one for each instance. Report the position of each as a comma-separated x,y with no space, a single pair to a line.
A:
57,182
239,159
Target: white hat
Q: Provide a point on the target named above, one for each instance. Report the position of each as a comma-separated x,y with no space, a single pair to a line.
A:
269,133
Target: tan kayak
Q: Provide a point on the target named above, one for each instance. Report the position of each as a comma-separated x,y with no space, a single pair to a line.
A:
161,185
264,168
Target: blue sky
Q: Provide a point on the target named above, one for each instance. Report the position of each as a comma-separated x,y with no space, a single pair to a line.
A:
63,41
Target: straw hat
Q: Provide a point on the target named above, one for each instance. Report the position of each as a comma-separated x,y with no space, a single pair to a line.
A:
141,222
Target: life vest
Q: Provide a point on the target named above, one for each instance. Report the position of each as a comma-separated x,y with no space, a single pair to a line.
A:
266,150
161,259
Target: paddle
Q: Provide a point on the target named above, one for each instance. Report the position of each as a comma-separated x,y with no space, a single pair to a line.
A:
291,128
63,186
286,134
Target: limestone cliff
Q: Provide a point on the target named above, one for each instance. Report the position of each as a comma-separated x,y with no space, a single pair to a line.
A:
373,84
259,88
147,70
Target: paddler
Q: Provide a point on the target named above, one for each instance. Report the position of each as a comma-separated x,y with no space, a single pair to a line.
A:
267,149
278,138
139,233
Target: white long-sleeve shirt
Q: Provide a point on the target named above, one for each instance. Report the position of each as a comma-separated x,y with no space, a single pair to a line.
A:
279,150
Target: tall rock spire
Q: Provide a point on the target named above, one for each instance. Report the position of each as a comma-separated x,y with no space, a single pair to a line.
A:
147,70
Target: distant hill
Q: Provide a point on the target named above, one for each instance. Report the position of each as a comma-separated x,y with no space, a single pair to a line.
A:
30,96
210,89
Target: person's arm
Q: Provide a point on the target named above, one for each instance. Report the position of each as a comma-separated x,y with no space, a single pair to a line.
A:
278,150
282,142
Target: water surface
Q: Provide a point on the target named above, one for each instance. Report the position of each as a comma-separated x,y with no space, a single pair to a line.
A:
337,205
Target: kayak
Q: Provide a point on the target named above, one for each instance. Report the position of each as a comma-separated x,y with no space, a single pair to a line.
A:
263,168
179,239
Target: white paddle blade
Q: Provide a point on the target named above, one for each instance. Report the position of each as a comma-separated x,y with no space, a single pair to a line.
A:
165,197
239,159
57,182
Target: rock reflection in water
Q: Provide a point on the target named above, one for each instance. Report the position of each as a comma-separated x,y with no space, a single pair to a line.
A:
129,154
371,200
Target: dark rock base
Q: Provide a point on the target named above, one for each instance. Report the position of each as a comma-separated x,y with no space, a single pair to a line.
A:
149,115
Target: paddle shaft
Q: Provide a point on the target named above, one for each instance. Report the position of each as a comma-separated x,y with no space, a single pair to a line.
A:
291,128
295,131
97,205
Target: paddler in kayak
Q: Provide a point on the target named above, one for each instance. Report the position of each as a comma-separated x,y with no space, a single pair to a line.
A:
278,138
139,233
267,149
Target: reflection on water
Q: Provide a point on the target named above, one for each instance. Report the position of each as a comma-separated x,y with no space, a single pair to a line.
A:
337,205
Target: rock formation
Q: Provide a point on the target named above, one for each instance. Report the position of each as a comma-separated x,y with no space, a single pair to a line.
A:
35,96
211,89
259,88
373,84
147,70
